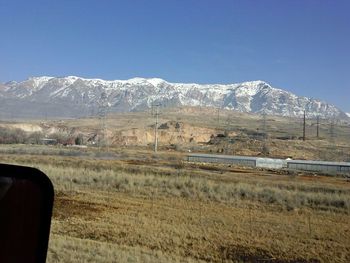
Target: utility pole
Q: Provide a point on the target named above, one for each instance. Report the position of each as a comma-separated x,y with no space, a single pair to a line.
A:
264,123
304,127
332,132
318,127
102,114
156,127
265,148
218,117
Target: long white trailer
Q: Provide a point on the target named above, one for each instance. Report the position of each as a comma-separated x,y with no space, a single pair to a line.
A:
316,166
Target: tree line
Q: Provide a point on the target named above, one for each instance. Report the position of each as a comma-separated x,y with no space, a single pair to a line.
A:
19,136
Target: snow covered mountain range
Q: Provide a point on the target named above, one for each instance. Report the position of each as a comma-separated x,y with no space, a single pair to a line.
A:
74,96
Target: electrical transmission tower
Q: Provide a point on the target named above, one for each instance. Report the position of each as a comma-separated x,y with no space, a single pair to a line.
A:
264,123
265,147
229,122
155,113
304,126
218,116
103,106
332,132
317,125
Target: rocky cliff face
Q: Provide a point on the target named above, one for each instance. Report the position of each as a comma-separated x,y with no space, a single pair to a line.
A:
73,97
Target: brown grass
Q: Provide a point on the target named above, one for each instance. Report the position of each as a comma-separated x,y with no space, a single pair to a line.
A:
144,208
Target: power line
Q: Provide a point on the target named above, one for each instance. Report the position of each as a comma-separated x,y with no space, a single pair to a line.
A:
332,132
103,106
317,124
218,117
156,115
304,127
265,148
264,123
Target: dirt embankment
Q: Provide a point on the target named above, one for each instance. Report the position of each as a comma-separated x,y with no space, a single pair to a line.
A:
170,132
23,126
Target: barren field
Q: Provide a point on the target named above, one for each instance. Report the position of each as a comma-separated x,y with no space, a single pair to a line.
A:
157,208
124,203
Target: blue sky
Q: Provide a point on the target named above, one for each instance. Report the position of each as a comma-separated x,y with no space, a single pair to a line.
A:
298,45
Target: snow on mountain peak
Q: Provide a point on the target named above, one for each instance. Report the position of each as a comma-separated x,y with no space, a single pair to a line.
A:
72,78
39,82
41,78
139,93
156,81
255,83
251,88
141,81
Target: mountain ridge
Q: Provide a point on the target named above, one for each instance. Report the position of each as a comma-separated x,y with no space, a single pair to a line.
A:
81,96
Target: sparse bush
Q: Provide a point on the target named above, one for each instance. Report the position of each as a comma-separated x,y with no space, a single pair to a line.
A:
12,136
145,180
179,164
79,140
265,150
63,138
35,137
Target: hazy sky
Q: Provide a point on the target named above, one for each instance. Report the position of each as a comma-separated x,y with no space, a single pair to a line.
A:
298,45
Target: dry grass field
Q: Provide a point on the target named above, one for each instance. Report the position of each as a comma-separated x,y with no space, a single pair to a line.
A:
128,204
143,207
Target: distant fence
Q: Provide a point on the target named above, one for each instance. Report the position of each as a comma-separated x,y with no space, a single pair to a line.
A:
315,166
